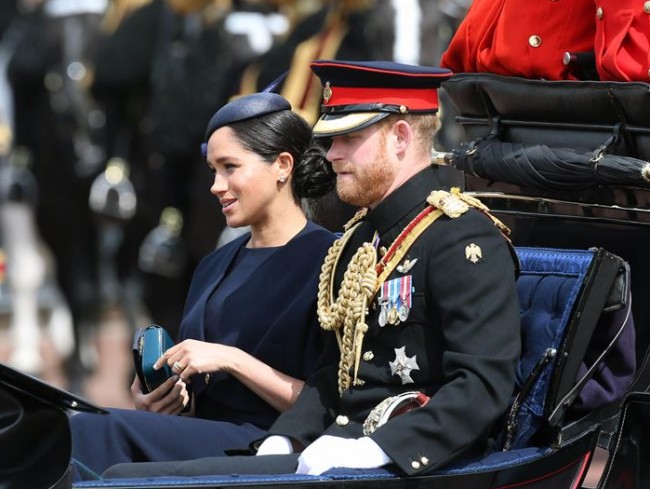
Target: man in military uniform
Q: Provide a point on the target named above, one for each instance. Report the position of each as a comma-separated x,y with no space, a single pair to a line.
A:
419,294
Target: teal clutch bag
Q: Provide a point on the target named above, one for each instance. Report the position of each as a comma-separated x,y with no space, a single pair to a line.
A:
148,346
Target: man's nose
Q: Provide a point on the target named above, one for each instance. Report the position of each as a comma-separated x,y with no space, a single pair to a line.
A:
333,153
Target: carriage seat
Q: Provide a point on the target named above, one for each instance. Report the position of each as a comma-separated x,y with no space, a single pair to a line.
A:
562,295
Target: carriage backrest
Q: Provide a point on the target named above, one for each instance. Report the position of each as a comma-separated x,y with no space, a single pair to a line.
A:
562,294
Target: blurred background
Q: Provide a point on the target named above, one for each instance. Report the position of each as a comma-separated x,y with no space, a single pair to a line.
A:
105,207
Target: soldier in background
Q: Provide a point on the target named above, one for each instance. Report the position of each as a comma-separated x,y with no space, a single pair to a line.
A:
58,126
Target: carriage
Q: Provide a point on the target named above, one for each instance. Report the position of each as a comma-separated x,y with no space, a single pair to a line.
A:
563,164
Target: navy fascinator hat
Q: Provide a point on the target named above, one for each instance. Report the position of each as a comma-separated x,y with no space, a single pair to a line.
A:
247,107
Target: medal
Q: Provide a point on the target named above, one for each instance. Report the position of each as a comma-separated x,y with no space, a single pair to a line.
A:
405,297
403,313
402,366
395,299
384,303
393,295
383,316
393,316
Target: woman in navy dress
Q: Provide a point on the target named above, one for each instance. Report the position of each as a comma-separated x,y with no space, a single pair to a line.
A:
249,335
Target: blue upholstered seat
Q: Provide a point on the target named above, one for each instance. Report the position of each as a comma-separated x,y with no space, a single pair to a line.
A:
552,286
549,285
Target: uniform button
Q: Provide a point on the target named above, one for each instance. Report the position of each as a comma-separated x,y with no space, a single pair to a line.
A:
369,355
415,464
535,41
599,13
342,420
424,460
646,7
208,378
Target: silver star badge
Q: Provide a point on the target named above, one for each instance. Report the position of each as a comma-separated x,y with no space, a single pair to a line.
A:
403,365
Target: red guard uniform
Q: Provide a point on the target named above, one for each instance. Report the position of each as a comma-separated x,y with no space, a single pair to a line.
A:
526,38
622,41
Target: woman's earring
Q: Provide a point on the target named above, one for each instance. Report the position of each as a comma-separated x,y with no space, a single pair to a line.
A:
282,178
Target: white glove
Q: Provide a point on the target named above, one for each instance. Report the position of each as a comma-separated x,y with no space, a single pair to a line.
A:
275,445
328,452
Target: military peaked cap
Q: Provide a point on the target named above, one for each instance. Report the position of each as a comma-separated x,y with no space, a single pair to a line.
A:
357,94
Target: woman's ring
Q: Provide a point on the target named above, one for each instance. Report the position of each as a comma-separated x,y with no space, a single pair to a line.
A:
178,366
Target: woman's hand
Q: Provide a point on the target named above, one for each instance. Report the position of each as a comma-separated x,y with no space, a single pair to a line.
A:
191,357
170,397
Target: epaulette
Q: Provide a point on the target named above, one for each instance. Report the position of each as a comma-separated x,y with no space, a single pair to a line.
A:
455,203
450,203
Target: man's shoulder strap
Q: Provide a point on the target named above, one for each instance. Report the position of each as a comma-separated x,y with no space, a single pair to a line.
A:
455,203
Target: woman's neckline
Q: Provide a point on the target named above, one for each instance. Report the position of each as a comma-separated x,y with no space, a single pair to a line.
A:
246,245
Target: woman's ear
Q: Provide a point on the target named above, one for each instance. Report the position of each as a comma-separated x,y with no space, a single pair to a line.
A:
284,163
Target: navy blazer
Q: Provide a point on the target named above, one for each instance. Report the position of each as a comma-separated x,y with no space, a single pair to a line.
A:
272,316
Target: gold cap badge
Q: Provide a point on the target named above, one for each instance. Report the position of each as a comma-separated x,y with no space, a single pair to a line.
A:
327,92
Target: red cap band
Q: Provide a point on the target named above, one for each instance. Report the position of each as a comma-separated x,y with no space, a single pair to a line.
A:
414,99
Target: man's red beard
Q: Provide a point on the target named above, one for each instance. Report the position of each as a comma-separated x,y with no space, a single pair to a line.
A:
369,185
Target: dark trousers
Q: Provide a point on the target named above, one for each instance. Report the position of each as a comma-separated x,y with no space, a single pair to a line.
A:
127,436
233,465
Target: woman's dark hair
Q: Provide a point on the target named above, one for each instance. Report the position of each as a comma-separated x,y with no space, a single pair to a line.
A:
275,133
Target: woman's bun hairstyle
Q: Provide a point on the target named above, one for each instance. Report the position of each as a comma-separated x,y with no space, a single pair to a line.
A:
313,175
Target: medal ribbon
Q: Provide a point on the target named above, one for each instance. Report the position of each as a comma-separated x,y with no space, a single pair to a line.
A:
384,291
405,290
394,292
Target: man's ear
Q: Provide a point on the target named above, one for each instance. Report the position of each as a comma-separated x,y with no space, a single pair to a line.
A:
403,135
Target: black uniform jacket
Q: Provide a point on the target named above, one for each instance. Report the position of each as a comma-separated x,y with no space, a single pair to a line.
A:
462,333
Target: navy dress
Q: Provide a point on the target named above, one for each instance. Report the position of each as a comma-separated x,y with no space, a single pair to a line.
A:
262,301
